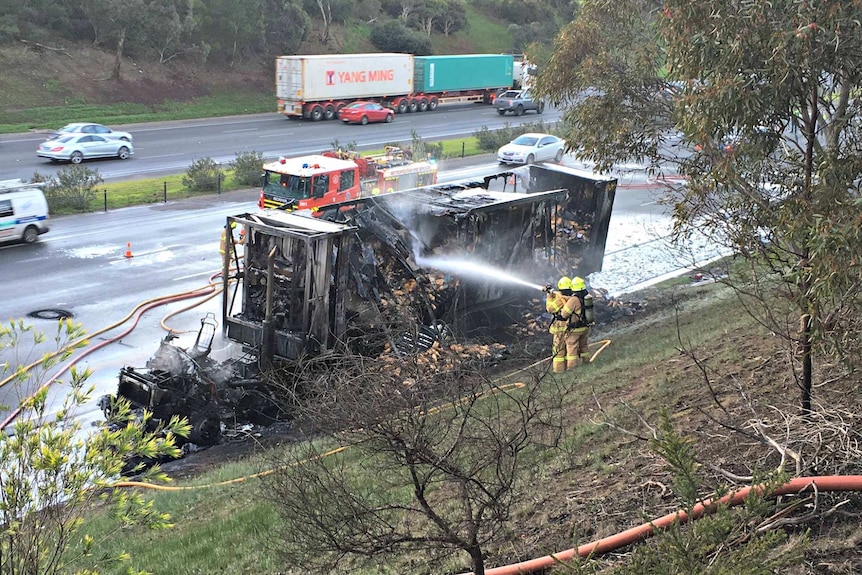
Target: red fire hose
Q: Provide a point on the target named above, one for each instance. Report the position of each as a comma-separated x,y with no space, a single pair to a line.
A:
635,534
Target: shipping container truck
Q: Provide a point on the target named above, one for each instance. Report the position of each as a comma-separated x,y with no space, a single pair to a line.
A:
315,87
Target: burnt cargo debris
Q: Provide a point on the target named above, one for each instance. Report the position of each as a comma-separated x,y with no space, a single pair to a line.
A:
311,282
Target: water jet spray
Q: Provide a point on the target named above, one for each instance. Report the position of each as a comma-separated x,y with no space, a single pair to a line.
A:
474,269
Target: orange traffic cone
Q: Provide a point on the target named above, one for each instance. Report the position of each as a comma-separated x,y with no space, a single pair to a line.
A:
128,249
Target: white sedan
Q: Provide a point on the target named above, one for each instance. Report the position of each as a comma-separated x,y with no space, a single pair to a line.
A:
90,128
530,148
76,148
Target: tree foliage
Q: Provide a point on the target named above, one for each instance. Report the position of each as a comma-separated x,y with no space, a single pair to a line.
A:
72,188
394,36
203,175
247,168
753,103
53,470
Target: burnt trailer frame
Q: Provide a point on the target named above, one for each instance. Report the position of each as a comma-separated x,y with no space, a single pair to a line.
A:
277,246
302,274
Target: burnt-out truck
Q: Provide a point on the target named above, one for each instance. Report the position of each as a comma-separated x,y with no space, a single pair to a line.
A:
308,284
380,274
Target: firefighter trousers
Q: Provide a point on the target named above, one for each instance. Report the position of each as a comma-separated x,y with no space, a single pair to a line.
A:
570,348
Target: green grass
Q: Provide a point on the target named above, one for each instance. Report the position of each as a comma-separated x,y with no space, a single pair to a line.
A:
47,117
492,37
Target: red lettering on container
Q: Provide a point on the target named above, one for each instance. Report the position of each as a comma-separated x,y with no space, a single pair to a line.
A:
381,75
351,77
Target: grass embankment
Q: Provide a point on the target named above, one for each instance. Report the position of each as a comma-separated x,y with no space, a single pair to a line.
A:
594,483
52,117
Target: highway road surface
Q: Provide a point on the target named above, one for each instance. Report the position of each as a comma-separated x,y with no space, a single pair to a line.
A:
170,147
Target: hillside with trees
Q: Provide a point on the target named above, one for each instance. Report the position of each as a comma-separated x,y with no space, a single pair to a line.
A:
76,54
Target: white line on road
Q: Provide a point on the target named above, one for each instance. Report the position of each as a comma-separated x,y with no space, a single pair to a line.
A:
276,135
165,156
237,131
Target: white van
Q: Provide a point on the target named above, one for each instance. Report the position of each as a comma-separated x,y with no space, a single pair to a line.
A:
23,211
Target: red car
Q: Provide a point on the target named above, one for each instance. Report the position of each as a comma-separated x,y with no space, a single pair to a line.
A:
364,112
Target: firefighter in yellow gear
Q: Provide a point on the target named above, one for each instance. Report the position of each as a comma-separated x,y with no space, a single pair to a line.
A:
570,337
223,241
579,323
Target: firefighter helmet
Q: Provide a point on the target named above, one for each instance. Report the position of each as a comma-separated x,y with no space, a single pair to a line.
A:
578,284
564,283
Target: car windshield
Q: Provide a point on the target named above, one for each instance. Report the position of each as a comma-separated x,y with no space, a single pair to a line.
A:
69,128
355,106
65,139
525,141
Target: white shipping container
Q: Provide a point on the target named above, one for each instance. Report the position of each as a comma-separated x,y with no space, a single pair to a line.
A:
343,76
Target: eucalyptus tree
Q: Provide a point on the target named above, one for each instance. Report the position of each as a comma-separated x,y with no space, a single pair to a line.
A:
757,105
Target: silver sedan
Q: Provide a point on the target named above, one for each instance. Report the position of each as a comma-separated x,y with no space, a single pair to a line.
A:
529,148
76,148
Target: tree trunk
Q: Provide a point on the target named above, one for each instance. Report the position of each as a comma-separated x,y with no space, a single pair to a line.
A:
805,344
326,14
118,56
478,559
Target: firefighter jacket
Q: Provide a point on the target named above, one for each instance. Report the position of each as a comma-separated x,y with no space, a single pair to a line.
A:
566,310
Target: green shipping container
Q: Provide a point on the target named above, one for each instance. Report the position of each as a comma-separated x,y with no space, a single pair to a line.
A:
468,72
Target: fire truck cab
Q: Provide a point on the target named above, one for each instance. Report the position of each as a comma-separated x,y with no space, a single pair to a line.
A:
308,182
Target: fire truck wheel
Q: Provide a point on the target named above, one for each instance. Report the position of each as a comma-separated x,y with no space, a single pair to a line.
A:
316,113
329,112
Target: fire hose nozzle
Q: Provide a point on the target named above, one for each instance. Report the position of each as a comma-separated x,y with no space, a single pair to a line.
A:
548,288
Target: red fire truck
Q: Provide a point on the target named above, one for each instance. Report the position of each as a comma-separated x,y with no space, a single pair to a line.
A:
309,182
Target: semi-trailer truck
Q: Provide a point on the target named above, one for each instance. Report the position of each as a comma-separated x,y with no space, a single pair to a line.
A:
315,87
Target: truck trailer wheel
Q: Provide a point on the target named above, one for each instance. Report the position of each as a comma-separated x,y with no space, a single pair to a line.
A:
423,105
433,102
316,113
329,112
402,106
412,106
